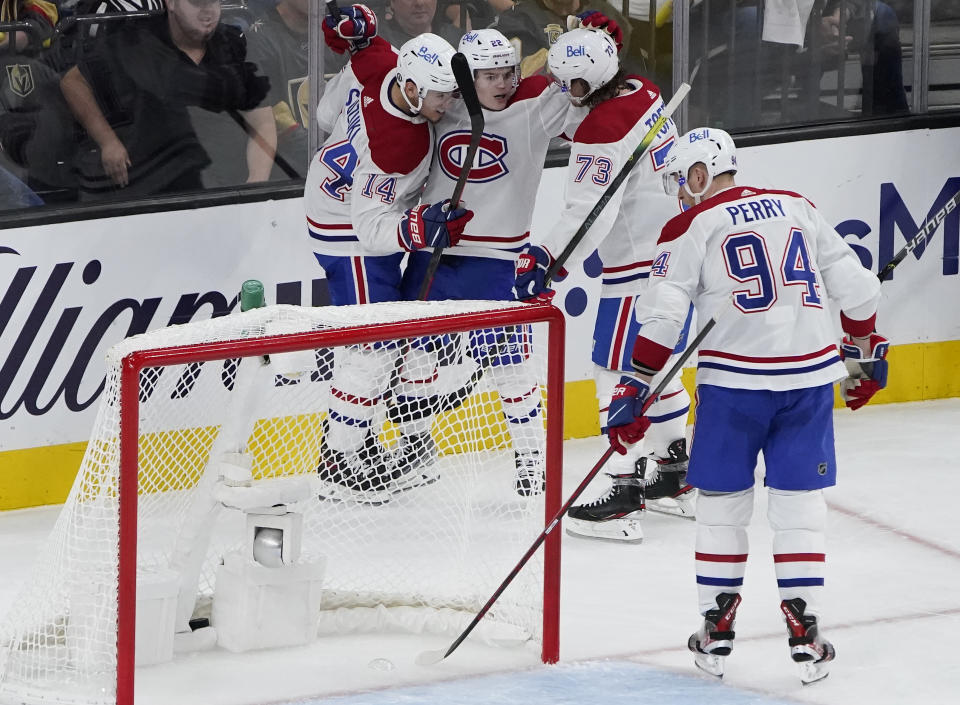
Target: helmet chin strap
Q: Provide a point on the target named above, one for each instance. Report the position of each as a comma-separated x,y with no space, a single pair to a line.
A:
415,108
697,197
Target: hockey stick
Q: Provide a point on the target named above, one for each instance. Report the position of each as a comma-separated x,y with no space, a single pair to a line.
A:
464,76
621,176
427,658
925,231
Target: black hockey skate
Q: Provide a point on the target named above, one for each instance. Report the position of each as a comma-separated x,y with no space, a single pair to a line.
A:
529,479
415,455
714,640
614,516
811,652
665,488
363,476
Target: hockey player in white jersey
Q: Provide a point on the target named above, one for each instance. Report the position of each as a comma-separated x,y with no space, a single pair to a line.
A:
378,111
768,261
622,109
520,118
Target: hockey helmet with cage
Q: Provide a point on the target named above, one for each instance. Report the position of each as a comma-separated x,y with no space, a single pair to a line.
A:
712,147
489,49
585,54
425,60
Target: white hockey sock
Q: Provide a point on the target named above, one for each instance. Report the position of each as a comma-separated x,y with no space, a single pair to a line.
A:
721,544
520,400
668,418
417,389
798,520
360,374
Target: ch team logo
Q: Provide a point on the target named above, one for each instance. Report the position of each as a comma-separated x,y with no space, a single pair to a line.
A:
489,164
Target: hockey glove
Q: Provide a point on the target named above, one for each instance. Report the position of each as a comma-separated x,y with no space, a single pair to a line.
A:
626,423
356,27
868,375
432,226
531,275
596,20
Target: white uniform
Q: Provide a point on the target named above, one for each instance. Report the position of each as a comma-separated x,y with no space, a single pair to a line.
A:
773,253
503,182
624,234
626,230
374,145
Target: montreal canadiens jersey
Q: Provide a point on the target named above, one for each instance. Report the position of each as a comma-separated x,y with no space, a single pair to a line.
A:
374,146
768,261
506,171
625,233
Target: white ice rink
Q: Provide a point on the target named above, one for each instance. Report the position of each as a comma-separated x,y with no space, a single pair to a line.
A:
892,604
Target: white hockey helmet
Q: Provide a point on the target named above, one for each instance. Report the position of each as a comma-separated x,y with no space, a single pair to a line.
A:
709,146
585,54
425,60
488,49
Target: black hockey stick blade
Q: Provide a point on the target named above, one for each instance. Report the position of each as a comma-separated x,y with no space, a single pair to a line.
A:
923,234
621,176
427,658
464,76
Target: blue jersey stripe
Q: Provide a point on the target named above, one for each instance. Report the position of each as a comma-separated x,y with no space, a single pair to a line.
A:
666,417
333,238
767,370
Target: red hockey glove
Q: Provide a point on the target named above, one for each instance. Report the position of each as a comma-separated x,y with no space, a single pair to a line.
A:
626,423
868,374
432,226
596,20
531,274
354,30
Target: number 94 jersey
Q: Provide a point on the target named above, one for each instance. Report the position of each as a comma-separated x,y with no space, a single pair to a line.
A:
766,262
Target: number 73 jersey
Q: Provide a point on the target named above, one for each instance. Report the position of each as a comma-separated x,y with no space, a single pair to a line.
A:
766,263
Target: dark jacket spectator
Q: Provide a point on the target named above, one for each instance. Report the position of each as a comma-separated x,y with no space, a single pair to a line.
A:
133,93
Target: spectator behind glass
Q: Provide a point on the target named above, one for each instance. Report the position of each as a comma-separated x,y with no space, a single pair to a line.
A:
536,24
405,19
791,51
277,43
26,80
132,94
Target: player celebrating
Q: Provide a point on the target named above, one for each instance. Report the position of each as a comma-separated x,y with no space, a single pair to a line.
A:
622,109
378,111
764,379
520,118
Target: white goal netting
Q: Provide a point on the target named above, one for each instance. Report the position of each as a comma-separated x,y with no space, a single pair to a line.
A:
415,463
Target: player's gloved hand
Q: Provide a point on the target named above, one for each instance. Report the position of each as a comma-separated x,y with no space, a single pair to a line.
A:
868,372
432,226
596,20
531,273
626,423
353,31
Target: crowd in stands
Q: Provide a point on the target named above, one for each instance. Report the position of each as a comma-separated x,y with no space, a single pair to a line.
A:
123,99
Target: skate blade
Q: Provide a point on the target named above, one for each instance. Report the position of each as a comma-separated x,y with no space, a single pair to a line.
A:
331,492
681,509
420,479
708,663
811,672
615,530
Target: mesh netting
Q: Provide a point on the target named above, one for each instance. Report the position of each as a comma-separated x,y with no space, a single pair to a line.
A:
422,459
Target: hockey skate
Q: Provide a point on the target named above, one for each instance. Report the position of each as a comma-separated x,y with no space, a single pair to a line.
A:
714,640
811,652
363,476
613,517
415,455
529,479
665,488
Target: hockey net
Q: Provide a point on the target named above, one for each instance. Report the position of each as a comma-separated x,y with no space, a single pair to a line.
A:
187,410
